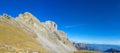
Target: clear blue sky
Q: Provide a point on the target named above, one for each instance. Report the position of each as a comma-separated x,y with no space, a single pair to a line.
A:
92,21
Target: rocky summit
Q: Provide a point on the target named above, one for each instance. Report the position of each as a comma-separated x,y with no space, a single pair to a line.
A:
27,34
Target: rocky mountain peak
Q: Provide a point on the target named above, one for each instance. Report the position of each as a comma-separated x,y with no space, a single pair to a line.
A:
6,16
46,33
27,13
51,25
28,18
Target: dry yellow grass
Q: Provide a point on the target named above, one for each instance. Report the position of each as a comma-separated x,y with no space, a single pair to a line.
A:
13,39
86,51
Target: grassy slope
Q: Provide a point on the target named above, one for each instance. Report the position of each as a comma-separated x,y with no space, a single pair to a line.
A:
12,37
86,51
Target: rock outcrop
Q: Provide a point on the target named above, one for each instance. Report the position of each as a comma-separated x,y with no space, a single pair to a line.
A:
46,33
51,25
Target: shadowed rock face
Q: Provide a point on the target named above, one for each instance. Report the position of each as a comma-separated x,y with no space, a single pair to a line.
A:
52,39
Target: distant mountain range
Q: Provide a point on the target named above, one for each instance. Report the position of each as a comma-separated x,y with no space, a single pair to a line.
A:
82,46
103,47
95,47
112,50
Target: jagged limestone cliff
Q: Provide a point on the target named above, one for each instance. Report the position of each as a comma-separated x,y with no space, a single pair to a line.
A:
44,33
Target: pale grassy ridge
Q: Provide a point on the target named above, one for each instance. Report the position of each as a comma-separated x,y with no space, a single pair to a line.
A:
86,51
13,39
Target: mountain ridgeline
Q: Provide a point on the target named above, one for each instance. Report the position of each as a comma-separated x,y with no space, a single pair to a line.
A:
26,34
96,47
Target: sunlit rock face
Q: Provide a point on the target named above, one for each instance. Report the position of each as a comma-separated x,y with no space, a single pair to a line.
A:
47,34
28,18
52,26
30,21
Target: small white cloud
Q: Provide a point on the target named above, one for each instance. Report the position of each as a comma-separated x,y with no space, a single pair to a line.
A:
73,26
